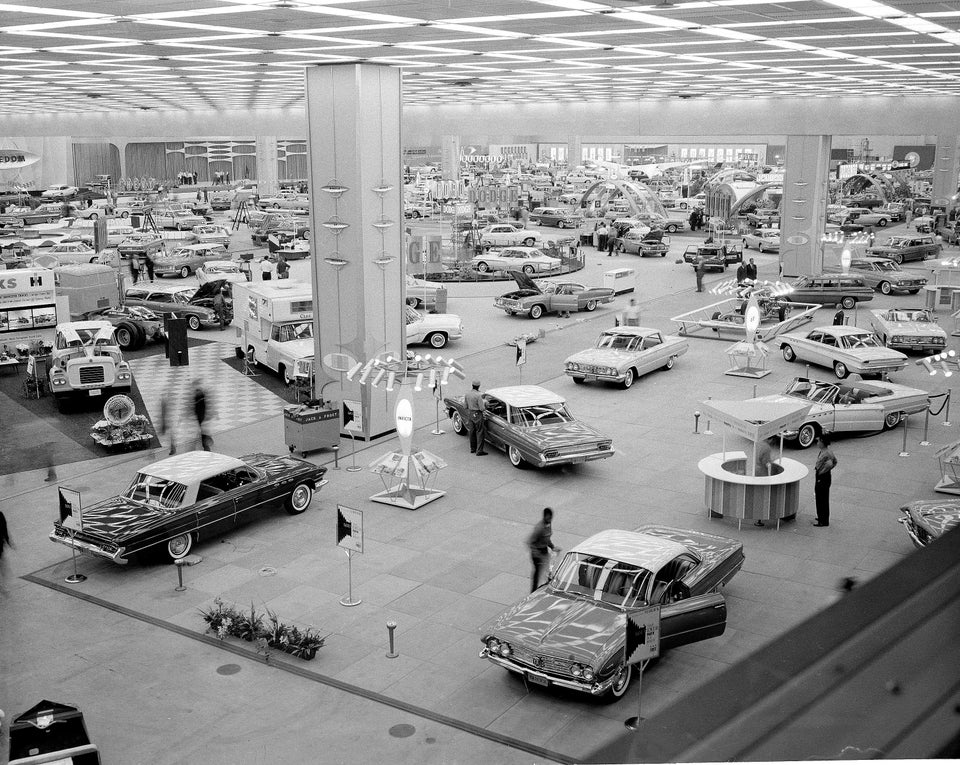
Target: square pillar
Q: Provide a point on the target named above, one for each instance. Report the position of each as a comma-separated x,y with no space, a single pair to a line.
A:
356,222
450,157
267,170
804,209
946,170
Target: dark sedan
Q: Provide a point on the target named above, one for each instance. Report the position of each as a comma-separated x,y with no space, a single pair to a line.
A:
187,498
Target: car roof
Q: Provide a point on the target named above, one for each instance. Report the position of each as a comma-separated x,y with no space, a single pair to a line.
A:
153,287
838,329
192,467
650,552
631,331
526,395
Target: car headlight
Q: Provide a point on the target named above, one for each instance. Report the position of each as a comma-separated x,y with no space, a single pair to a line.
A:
493,645
505,650
897,339
588,674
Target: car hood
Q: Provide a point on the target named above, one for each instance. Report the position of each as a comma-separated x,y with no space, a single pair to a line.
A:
935,516
524,282
574,628
608,356
207,290
119,518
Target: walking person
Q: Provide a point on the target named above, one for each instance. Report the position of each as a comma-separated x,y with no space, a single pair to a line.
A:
4,542
220,308
148,262
826,462
694,219
631,314
476,424
750,270
612,241
541,543
200,412
283,268
135,267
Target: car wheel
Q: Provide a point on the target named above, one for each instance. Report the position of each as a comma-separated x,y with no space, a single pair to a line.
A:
93,216
529,241
788,353
882,222
561,224
125,335
276,205
885,288
536,311
459,426
620,247
683,205
125,214
437,340
671,229
627,381
528,269
193,321
413,302
590,306
621,682
299,499
516,459
282,370
415,214
185,272
891,420
807,435
579,380
179,547
483,267
849,303
670,362
840,369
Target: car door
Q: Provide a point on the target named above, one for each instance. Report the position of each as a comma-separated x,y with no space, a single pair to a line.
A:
565,297
251,491
215,506
851,415
650,352
495,415
826,351
162,302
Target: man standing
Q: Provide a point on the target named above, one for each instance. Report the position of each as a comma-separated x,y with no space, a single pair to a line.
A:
602,236
741,272
540,544
266,269
200,412
750,270
826,462
631,314
148,262
476,424
699,269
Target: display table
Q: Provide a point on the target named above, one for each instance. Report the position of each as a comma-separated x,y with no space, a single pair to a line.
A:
308,428
729,493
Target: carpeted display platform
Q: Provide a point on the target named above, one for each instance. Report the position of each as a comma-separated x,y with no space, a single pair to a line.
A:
266,379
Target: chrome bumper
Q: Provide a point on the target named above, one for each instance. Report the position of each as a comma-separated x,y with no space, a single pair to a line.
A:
595,376
593,688
79,544
911,528
320,483
560,459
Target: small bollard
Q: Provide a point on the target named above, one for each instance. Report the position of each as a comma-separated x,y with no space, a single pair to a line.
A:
392,653
903,450
180,564
336,453
706,430
946,417
696,423
926,425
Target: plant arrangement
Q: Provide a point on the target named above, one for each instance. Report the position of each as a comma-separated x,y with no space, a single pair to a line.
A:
266,630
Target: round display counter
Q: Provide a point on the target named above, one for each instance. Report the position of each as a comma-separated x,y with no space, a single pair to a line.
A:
730,493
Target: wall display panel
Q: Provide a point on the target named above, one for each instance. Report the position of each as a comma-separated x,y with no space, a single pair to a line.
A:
93,159
292,159
165,160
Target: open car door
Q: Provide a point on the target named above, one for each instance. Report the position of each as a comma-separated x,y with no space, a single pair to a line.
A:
692,619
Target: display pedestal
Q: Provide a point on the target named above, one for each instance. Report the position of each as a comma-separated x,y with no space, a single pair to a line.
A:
402,468
749,360
949,458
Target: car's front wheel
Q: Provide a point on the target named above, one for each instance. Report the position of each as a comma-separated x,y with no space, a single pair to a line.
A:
898,258
299,499
849,303
185,272
891,420
529,242
528,269
672,229
670,362
621,682
840,370
885,288
179,547
788,353
413,302
628,378
516,459
483,267
590,306
882,222
536,311
193,321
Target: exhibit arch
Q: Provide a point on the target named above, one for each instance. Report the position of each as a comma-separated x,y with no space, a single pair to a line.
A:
765,195
640,202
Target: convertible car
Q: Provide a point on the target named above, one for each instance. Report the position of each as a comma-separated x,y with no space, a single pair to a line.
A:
190,497
533,426
928,519
855,407
844,349
535,298
571,632
625,353
913,328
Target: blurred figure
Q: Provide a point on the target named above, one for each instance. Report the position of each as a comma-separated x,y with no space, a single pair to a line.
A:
220,308
631,314
541,543
200,412
4,542
283,268
148,262
166,422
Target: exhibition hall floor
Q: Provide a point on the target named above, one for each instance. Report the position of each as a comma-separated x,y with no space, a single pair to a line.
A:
131,651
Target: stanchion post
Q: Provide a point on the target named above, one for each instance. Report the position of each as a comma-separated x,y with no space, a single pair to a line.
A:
179,564
391,628
696,423
926,425
903,450
336,454
946,417
706,430
353,456
74,578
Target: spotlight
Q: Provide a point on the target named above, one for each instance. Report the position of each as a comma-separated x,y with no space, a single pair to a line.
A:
354,369
391,379
418,385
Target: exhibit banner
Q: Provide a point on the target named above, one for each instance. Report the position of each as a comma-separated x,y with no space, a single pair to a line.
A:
11,159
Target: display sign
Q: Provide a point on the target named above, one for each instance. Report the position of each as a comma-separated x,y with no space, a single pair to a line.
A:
352,416
403,419
10,159
350,528
71,511
494,195
643,634
521,351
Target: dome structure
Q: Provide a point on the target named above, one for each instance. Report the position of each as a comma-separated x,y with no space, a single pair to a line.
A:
627,199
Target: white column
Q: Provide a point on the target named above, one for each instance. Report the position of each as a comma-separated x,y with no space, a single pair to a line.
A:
804,210
267,175
356,192
946,168
450,157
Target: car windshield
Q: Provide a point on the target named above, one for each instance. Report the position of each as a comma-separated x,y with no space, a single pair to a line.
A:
542,414
918,316
160,493
601,579
618,342
302,330
886,265
817,392
859,341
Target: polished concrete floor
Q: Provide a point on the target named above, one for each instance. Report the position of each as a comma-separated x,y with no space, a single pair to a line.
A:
132,653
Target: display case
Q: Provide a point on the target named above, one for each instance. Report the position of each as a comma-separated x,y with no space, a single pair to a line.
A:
308,428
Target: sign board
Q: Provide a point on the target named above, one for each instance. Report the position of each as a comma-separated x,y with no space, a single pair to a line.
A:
521,351
352,416
11,159
350,528
643,634
71,512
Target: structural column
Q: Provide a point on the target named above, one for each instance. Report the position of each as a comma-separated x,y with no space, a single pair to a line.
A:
267,171
574,151
946,169
804,209
450,157
356,191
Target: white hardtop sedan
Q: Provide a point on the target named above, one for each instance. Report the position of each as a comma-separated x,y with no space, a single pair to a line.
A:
913,328
624,353
529,260
764,239
844,349
221,269
506,234
433,328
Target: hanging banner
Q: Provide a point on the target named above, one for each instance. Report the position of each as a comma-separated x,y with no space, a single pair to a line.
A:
11,159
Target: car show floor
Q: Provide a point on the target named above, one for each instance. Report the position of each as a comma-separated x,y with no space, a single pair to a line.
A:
131,650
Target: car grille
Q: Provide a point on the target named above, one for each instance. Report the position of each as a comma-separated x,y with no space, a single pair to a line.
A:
592,369
91,375
918,340
542,662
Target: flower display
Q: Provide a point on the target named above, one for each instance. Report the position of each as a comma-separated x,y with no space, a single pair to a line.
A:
265,630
